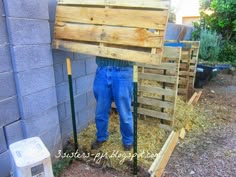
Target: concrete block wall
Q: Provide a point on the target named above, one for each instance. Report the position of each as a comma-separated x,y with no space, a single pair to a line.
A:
30,42
10,127
83,72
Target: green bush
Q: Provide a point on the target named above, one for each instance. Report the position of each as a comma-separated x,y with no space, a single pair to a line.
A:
228,53
210,45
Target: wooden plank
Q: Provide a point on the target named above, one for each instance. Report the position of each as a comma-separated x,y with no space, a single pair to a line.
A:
182,133
192,98
158,77
151,19
155,102
154,114
197,97
108,34
163,66
165,154
150,89
158,4
110,52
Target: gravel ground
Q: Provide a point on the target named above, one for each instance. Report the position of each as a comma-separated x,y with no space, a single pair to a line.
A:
210,152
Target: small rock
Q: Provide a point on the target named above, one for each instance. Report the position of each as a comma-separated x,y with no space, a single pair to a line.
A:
192,172
212,91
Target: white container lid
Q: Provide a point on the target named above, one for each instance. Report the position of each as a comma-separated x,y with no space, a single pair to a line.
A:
29,151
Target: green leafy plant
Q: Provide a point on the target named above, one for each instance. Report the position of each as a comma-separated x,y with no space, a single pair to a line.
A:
228,53
210,45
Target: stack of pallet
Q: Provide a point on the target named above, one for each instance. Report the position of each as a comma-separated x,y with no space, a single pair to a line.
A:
120,29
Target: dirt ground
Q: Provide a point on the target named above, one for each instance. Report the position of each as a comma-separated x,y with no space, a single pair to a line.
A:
210,152
206,152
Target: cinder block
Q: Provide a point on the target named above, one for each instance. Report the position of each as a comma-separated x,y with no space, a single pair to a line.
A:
7,85
14,132
84,84
35,104
35,80
90,98
52,24
3,144
9,111
81,56
78,69
52,9
59,73
3,31
61,111
27,9
66,129
39,125
91,66
80,104
62,92
1,9
5,59
26,31
52,139
61,56
5,162
29,57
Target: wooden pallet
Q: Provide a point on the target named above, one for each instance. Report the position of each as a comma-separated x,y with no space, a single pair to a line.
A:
188,67
195,46
158,86
120,29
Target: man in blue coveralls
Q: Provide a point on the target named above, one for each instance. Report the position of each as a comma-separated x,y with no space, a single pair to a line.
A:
113,81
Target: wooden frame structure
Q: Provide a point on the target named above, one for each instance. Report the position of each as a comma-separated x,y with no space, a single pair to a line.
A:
132,30
188,67
158,87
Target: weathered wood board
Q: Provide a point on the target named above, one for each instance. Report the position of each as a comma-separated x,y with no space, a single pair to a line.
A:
120,29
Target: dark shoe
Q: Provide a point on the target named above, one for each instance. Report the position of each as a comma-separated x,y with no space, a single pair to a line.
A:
97,144
127,147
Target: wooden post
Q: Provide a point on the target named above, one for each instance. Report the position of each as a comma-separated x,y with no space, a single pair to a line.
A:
69,72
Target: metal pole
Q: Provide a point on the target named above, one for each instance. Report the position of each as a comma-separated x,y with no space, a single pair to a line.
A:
135,119
69,72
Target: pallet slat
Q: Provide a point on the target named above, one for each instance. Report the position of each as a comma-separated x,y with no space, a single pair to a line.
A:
159,4
111,52
150,89
151,19
109,34
158,77
155,102
154,114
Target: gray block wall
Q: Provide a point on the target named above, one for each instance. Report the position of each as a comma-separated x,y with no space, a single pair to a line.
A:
10,126
83,72
30,42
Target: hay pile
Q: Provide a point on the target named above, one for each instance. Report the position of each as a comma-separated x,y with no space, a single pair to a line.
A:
150,141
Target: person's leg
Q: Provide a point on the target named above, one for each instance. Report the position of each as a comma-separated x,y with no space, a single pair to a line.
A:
122,89
103,95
